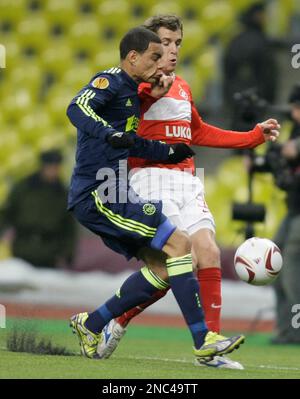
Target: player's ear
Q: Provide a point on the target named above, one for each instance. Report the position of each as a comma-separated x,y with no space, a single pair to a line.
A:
132,57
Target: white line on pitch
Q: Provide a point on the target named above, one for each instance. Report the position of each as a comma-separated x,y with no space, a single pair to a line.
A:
262,366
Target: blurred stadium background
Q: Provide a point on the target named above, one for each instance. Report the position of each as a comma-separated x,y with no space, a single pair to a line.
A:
53,47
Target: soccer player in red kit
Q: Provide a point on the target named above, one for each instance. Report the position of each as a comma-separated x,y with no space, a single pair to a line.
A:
169,115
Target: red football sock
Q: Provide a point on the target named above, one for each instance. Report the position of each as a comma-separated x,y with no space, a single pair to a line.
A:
130,314
211,300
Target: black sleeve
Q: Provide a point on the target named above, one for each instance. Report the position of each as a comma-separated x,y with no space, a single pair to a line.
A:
149,149
83,110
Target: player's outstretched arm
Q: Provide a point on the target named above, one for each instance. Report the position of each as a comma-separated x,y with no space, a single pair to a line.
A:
157,151
148,149
212,136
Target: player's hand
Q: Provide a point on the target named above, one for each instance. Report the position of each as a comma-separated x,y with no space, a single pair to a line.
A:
179,152
162,86
120,140
270,129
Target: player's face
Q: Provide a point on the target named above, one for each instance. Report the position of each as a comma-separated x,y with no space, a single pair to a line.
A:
148,67
171,41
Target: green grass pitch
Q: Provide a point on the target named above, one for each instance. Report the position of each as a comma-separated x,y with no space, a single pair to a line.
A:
144,352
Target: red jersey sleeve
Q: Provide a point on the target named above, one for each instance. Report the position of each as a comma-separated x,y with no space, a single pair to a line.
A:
144,91
207,135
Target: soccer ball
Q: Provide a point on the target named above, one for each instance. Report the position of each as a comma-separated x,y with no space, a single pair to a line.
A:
258,261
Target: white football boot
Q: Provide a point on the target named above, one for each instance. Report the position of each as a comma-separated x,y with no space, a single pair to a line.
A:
111,336
219,362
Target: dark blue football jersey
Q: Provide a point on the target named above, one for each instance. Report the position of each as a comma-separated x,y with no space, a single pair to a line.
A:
109,103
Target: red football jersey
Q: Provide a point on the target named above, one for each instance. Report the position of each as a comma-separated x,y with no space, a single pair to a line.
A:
174,118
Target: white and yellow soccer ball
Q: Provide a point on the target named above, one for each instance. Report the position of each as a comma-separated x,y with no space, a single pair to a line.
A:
258,261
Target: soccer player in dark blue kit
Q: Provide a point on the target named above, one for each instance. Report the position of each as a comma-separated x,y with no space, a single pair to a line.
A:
106,113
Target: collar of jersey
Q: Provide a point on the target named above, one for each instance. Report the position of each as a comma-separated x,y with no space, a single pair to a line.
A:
129,79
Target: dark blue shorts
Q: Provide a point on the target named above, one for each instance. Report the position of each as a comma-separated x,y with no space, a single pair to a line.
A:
125,227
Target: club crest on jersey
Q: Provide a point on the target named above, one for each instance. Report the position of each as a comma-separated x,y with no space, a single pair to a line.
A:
149,209
178,131
183,93
100,83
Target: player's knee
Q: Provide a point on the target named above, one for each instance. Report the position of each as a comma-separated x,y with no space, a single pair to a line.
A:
155,260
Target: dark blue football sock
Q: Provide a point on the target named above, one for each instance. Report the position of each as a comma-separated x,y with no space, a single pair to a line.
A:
185,288
137,289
